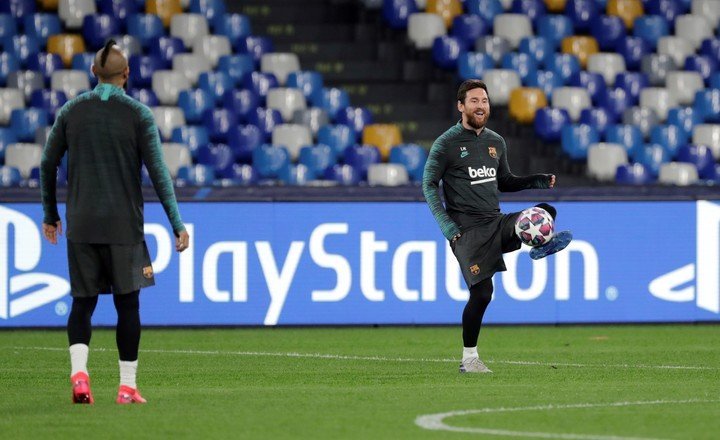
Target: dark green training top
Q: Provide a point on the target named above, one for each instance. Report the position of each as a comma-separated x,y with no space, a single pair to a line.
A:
107,136
473,169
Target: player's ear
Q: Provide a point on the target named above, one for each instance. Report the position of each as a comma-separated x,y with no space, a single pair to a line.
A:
92,69
460,106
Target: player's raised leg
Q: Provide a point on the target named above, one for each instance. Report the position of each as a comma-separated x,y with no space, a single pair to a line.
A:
559,241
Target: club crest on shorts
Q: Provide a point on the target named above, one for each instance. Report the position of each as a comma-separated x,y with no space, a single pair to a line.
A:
493,152
474,269
463,152
147,272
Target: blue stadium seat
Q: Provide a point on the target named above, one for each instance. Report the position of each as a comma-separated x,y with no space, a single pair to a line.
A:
41,26
9,176
98,28
266,120
295,175
412,157
269,160
25,122
360,157
633,49
711,47
18,9
652,156
49,100
145,27
632,83
166,48
474,64
7,137
216,84
8,64
142,68
318,159
534,9
213,10
243,140
355,117
715,80
119,9
23,47
219,122
196,175
242,102
685,117
545,80
703,64
608,30
309,81
633,174
46,63
233,26
396,12
259,83
651,28
521,63
194,103
487,9
629,136
236,66
255,46
596,117
469,27
668,9
446,51
8,26
700,156
146,96
577,138
549,122
83,61
332,100
218,156
593,82
194,136
564,65
539,48
554,28
338,137
581,12
344,175
707,105
240,174
669,137
615,101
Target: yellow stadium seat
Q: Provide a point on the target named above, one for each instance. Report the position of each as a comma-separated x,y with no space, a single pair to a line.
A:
524,102
447,9
628,10
383,136
580,46
555,5
165,9
66,45
49,5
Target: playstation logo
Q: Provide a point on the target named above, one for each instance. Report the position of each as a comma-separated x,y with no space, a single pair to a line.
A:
23,292
705,273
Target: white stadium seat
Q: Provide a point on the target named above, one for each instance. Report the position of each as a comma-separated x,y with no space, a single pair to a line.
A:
24,157
683,84
387,174
176,156
607,64
513,27
168,118
279,64
709,135
72,82
286,100
500,83
604,159
423,28
167,85
694,28
572,99
188,27
678,173
212,47
10,99
191,65
659,99
293,137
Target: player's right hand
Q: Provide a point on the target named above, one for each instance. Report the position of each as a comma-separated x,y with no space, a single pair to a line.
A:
52,231
182,241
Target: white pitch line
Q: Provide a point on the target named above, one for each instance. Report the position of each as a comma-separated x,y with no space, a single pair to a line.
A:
436,422
387,359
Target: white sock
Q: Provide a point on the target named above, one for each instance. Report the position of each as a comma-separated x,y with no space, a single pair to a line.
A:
78,358
469,352
128,370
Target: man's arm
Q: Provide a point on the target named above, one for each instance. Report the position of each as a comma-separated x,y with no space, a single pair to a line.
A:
53,152
433,173
508,182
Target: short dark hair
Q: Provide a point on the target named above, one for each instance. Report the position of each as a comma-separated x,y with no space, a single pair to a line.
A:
468,85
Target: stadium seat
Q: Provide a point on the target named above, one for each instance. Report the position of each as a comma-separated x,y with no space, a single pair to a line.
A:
678,173
487,9
83,62
192,136
49,100
216,84
604,159
309,82
596,117
42,134
651,156
266,120
344,175
710,47
704,65
628,10
233,26
677,48
382,136
176,156
129,44
715,80
651,28
360,157
708,9
71,12
545,80
40,26
280,65
243,140
24,157
501,82
286,101
242,102
9,176
219,123
593,82
633,49
7,137
521,63
195,175
608,30
576,139
219,156
701,157
293,137
165,9
474,65
167,119
564,65
412,157
72,82
212,47
685,118
313,118
539,48
693,28
145,27
23,47
66,45
607,64
146,96
18,8
355,117
255,46
120,9
512,27
191,65
555,28
317,159
709,135
446,9
45,63
423,28
707,105
295,175
632,83
628,136
239,174
98,28
669,138
659,99
194,103
213,10
572,99
684,85
469,27
656,68
549,122
260,83
633,174
338,137
387,174
27,81
142,68
10,99
533,9
581,47
188,27
236,66
668,9
524,103
8,26
8,64
446,50
581,12
166,48
641,117
269,160
167,85
396,12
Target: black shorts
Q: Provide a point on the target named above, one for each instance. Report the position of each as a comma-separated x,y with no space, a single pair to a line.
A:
480,249
108,268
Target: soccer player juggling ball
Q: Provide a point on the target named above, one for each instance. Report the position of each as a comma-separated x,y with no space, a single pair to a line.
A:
107,136
471,161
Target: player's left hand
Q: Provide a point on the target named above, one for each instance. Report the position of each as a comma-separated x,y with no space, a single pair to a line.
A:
51,232
552,181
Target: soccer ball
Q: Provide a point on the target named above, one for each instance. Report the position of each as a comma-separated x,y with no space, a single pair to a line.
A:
534,227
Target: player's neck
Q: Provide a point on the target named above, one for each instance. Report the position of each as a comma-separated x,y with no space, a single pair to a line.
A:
471,128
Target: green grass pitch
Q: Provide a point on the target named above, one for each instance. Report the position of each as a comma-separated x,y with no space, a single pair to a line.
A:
594,382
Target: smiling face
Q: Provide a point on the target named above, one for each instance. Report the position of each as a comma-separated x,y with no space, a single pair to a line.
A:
475,109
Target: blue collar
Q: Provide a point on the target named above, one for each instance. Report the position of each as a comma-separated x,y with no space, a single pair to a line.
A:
105,90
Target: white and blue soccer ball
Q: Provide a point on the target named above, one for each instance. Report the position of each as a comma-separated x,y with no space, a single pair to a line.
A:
535,227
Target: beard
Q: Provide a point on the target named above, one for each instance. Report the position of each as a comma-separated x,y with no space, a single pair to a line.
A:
475,122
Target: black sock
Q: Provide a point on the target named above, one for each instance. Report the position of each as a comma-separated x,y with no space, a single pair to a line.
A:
127,333
549,208
480,296
79,326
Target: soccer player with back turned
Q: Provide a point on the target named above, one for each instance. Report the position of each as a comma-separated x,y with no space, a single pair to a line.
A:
471,161
107,136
